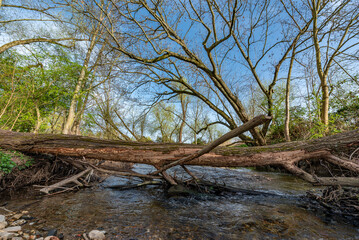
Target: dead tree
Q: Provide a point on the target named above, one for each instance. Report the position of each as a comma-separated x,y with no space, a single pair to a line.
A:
164,156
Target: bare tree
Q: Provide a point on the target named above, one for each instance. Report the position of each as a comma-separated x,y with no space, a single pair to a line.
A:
45,14
93,39
147,25
335,32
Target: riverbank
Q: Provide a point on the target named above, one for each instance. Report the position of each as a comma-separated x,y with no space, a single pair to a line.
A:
22,226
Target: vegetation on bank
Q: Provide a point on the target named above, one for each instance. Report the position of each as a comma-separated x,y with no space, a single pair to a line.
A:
10,160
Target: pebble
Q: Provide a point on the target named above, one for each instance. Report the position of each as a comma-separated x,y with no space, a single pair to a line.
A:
97,235
14,232
51,238
27,217
3,225
17,216
52,232
12,229
6,235
18,222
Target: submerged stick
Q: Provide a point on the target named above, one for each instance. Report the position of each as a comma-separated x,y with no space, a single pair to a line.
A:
131,186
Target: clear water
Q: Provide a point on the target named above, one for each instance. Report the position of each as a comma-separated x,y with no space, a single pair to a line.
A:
147,213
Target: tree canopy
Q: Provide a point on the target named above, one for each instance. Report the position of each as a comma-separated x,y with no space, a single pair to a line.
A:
180,71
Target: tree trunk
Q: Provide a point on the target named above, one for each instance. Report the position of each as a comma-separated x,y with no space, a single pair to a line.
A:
324,113
38,117
184,104
287,98
160,155
72,110
324,106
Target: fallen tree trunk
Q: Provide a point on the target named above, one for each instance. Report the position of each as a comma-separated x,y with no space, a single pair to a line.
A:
161,155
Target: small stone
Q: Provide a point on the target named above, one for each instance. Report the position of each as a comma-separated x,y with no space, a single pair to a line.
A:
61,236
17,238
96,235
41,221
18,222
2,218
12,229
179,190
17,216
6,235
52,232
3,225
27,217
39,238
51,238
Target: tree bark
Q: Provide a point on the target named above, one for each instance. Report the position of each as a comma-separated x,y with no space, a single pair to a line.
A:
184,105
287,97
9,45
80,82
38,121
159,155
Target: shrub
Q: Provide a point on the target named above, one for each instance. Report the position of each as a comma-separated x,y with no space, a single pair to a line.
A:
7,164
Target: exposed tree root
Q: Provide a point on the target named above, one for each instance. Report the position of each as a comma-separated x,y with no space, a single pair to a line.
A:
339,200
325,181
43,170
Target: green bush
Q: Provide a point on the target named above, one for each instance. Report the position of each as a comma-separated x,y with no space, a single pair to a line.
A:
6,164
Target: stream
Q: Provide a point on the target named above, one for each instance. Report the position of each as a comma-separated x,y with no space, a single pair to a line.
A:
148,213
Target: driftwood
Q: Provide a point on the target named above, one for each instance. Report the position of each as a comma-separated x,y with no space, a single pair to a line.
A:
164,156
63,183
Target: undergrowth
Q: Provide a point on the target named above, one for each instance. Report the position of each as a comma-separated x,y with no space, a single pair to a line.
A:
9,160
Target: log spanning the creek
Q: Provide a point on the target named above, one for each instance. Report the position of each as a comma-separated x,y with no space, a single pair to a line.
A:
164,155
157,154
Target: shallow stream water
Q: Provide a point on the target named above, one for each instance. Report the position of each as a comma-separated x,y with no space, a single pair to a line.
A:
147,213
